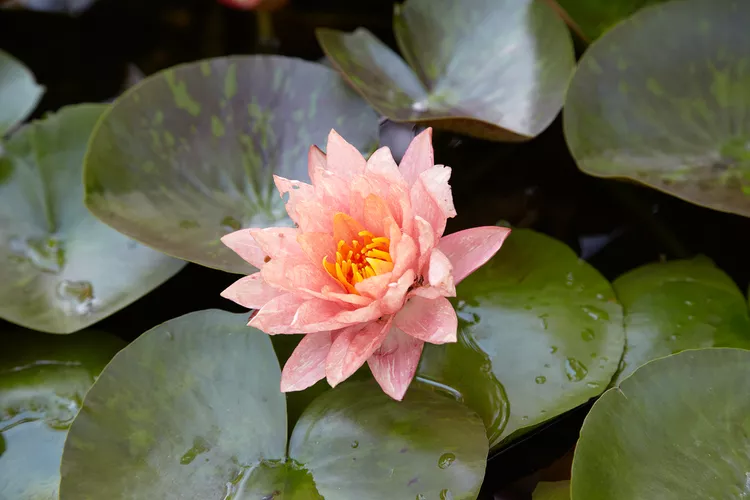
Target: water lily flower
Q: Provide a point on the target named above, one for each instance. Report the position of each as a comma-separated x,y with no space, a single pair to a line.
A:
366,271
254,4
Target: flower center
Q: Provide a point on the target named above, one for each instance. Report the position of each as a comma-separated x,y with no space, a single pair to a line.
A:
364,257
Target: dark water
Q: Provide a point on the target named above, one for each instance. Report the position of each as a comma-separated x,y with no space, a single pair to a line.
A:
615,226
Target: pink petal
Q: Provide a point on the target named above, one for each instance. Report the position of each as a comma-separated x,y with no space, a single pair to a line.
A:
352,347
293,275
370,312
376,213
342,158
278,242
307,364
383,167
440,273
425,239
299,192
345,228
316,159
316,315
331,190
418,157
277,315
243,244
314,216
424,205
395,363
404,255
435,180
432,321
374,287
316,246
394,297
251,292
470,249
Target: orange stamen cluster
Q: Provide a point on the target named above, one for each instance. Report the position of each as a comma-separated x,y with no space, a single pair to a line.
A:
365,257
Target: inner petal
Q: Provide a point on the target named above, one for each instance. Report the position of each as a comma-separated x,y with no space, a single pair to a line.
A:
359,254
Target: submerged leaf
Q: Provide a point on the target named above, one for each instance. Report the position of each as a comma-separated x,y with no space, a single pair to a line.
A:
60,269
19,94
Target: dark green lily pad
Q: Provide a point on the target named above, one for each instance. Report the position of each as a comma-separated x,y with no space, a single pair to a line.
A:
684,304
677,428
188,155
60,269
192,409
43,380
496,69
591,18
19,93
540,333
552,490
676,118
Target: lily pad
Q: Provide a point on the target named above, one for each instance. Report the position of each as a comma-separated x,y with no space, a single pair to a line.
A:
496,69
552,490
676,118
684,304
19,93
61,269
212,425
43,380
188,155
540,333
591,18
676,428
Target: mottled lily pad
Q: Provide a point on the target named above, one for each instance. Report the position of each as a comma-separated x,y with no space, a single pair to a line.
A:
677,428
192,409
664,99
61,269
552,490
684,304
188,155
19,94
43,380
591,18
540,333
496,69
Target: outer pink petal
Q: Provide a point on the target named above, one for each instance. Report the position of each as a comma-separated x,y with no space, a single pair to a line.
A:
404,255
393,300
315,159
307,364
293,275
470,249
278,242
395,363
418,157
352,347
251,292
277,315
331,190
435,180
314,216
440,274
374,287
343,158
299,192
376,213
383,167
245,246
432,321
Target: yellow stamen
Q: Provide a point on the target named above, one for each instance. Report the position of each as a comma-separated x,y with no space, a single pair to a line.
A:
364,257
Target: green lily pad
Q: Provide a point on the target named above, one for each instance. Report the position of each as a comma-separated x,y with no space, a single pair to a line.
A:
61,270
591,18
540,333
664,99
496,69
676,428
192,409
43,380
188,155
19,93
552,490
678,305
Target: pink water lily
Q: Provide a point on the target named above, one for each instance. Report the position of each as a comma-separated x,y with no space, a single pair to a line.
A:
366,271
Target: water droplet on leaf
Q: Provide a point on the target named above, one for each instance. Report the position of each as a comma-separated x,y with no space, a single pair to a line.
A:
355,444
588,335
77,296
540,379
575,370
446,460
553,349
446,495
200,445
45,254
230,224
595,313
